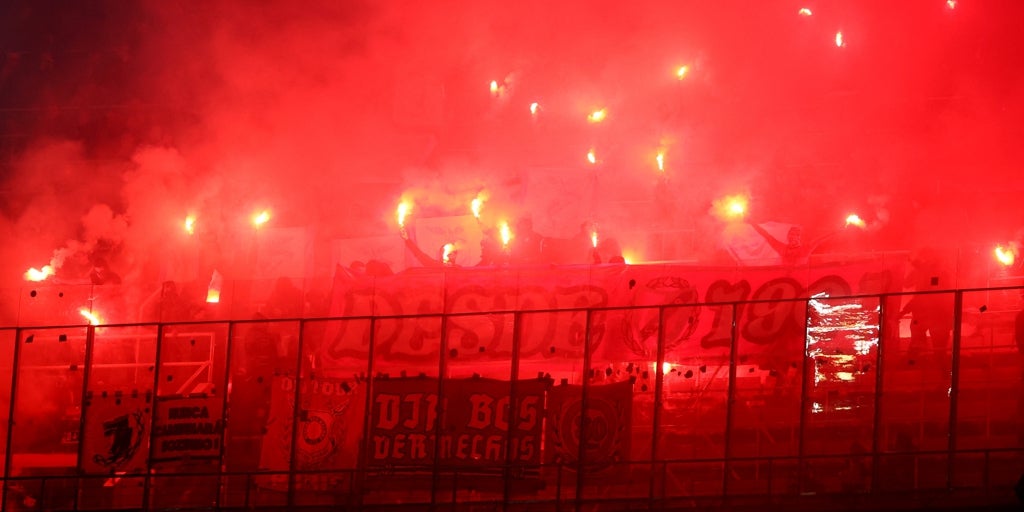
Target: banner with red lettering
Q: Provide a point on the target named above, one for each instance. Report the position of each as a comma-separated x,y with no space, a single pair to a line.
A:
326,436
188,428
116,432
606,427
771,319
476,420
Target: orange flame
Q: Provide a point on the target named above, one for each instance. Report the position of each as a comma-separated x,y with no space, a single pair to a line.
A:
506,233
591,157
403,211
1006,256
261,218
661,160
34,274
534,108
190,224
598,115
681,72
90,316
213,291
804,11
839,39
665,367
855,219
446,253
477,204
593,238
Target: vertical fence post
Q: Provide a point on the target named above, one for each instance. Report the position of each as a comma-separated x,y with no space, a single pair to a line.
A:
10,416
224,411
804,384
512,406
580,462
659,384
147,482
954,387
439,417
368,410
876,441
293,459
90,341
729,402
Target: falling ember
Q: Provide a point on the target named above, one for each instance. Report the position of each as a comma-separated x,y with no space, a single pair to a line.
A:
681,72
855,219
805,11
597,116
34,274
534,108
446,253
591,157
261,218
404,208
506,234
1005,256
839,39
661,161
93,319
190,224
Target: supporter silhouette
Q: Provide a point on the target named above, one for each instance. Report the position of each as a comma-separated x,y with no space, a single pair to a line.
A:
793,251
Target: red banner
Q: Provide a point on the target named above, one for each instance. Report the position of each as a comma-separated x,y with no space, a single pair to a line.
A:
606,428
476,422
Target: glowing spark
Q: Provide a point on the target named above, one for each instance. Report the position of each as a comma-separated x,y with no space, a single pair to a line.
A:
261,218
854,219
951,4
593,238
447,252
506,234
681,72
598,115
534,107
805,11
190,224
34,274
839,39
1005,256
591,157
661,161
93,319
403,210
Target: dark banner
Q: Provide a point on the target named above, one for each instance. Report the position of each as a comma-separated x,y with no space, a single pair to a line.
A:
606,426
116,432
187,428
480,426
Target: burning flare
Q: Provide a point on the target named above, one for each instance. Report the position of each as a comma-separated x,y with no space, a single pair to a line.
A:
403,211
855,219
839,39
477,204
730,207
261,218
494,87
1006,256
190,224
593,238
506,234
213,291
90,316
951,4
661,161
804,11
591,157
34,274
681,72
446,253
598,115
534,108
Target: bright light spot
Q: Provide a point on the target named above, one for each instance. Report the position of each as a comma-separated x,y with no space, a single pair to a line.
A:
839,39
661,161
506,233
261,218
534,108
1006,256
730,207
213,296
666,367
447,253
681,72
34,274
816,407
190,224
213,290
591,157
477,204
593,238
597,116
805,11
629,257
951,4
403,211
494,87
93,319
855,219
